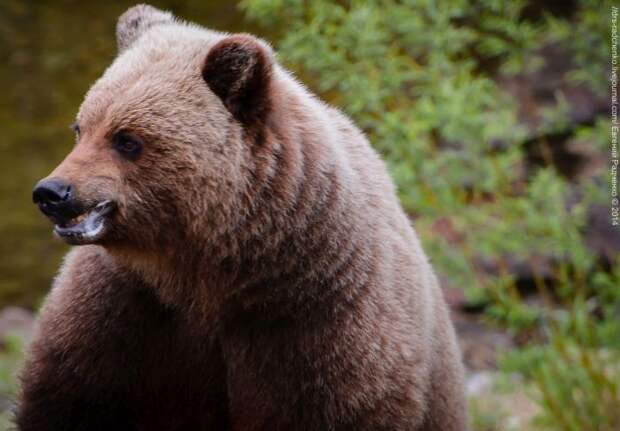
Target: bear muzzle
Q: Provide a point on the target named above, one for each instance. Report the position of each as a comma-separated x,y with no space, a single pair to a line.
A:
75,222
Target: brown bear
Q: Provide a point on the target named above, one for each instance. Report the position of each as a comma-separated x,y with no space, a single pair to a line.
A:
243,261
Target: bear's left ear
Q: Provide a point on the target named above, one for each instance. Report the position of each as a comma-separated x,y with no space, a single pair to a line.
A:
238,70
135,21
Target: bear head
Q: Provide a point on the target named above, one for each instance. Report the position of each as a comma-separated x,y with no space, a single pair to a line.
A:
164,139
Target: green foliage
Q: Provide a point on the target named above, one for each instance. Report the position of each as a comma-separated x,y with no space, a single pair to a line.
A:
486,419
423,80
576,374
10,357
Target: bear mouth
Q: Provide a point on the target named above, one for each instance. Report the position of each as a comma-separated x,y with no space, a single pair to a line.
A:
88,227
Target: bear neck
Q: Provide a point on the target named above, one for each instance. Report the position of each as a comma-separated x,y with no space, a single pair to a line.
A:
301,236
306,236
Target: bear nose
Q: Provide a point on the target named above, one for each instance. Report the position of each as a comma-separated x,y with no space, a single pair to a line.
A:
54,197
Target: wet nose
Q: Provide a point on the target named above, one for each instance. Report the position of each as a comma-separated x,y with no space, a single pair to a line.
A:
54,197
51,192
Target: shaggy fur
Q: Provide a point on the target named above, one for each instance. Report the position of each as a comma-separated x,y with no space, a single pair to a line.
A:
259,273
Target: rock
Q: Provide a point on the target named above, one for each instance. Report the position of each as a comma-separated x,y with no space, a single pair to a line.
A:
480,344
478,383
500,407
16,321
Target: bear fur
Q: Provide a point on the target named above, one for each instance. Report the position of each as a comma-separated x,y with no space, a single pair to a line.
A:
258,272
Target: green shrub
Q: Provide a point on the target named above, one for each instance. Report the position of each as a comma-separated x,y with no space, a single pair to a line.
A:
10,356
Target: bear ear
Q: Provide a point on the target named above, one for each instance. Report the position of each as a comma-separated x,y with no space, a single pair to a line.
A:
238,70
135,21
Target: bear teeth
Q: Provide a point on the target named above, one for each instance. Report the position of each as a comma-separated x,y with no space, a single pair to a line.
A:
77,220
86,227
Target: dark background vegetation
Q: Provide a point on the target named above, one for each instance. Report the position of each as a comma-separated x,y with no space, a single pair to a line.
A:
493,118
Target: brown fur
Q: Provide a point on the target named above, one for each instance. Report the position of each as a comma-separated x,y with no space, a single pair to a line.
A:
259,273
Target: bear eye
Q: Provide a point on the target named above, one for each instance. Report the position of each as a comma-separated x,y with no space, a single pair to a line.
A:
127,145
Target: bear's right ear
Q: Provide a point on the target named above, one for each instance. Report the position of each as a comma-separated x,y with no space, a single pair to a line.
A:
135,21
238,70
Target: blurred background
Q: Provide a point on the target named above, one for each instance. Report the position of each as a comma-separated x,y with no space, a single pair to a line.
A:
494,119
